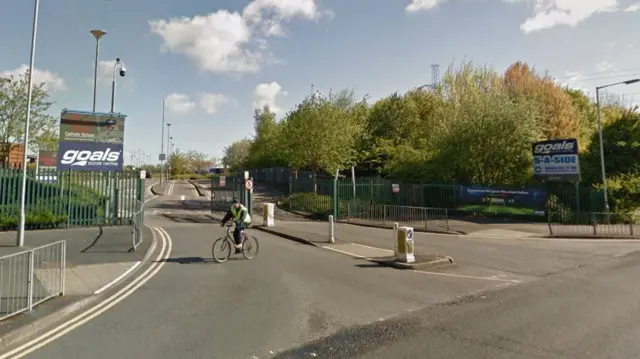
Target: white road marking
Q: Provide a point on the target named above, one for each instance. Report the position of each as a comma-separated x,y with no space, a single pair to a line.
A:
134,266
150,199
339,251
102,307
493,278
370,247
467,276
195,192
148,189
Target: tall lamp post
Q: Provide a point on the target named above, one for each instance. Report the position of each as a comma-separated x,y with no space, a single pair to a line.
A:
117,65
98,34
23,183
604,175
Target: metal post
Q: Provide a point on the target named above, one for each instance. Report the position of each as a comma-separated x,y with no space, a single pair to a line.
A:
63,265
162,145
331,230
23,184
604,176
98,34
30,279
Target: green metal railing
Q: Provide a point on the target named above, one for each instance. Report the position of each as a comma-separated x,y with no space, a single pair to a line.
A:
59,199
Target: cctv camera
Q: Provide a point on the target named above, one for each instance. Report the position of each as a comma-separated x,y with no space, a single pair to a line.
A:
123,71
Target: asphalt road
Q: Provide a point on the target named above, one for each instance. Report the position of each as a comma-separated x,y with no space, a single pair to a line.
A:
328,305
288,295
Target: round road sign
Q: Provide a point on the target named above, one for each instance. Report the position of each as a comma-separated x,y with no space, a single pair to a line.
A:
248,184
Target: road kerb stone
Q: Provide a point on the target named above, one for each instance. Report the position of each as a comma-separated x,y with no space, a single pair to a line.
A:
155,191
285,235
420,263
23,332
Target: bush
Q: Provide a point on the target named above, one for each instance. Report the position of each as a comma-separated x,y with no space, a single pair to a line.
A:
33,220
312,204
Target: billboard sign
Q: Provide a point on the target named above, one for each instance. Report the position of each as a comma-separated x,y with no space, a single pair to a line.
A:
47,159
522,201
78,126
556,160
87,156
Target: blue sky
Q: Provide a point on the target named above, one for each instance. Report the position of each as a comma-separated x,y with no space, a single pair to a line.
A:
213,61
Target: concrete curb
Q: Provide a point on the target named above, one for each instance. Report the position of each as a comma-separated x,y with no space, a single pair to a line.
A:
421,230
443,261
197,187
27,330
287,236
156,192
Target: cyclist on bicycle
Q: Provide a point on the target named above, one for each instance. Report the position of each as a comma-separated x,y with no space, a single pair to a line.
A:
240,215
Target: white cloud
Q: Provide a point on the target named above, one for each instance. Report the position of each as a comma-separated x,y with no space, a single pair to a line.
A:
633,8
421,5
268,94
605,66
212,102
546,13
231,42
52,81
573,80
179,103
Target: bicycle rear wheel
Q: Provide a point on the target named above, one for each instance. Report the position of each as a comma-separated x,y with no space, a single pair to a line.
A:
250,247
221,250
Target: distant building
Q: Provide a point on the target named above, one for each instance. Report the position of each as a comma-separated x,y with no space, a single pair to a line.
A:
15,156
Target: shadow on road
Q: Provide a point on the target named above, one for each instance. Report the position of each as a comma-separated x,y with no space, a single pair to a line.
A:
188,260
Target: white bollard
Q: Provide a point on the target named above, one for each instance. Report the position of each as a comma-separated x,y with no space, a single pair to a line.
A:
268,218
182,198
395,237
332,238
404,245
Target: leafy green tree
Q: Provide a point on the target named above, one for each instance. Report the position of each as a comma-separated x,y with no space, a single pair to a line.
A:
236,154
264,147
13,108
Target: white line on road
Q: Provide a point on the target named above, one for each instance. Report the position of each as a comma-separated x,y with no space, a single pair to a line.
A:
170,189
102,307
419,271
134,266
150,199
148,189
195,193
370,247
467,276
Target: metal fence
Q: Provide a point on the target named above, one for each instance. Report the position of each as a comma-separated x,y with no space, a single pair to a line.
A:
428,219
137,225
60,199
594,224
31,277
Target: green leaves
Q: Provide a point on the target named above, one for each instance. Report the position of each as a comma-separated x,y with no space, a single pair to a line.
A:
13,111
236,154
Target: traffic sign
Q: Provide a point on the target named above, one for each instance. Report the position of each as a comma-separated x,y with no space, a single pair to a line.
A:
248,184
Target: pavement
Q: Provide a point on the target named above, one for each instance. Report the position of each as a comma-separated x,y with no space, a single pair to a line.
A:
504,297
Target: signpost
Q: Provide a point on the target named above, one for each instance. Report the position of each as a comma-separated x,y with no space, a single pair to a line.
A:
248,184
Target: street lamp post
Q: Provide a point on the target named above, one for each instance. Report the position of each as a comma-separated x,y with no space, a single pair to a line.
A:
23,183
113,82
604,175
162,145
98,34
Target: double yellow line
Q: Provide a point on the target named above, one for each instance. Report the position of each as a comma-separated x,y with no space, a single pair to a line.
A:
103,306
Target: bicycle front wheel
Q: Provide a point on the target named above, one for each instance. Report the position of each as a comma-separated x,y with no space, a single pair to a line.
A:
250,247
221,250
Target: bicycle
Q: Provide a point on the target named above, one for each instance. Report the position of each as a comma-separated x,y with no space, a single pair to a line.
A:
227,244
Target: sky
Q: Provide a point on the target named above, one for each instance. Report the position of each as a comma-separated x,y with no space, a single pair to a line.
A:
214,62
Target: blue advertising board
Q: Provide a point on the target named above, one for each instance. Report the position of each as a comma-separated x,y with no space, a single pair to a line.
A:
556,160
523,201
90,156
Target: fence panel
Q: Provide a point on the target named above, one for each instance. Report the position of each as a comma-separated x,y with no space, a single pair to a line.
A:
137,225
59,199
431,219
594,224
31,277
310,197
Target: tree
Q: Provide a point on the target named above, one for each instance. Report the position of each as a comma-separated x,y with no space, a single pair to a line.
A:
236,154
13,108
557,117
198,161
179,163
264,147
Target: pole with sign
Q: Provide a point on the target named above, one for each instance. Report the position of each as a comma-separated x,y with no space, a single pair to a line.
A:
248,186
